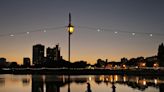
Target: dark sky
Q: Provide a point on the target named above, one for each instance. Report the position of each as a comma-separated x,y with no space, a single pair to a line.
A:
142,17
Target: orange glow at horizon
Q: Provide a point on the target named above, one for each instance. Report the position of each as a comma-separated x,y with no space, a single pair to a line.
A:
92,59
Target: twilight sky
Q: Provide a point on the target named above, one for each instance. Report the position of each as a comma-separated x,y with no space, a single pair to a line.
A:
142,17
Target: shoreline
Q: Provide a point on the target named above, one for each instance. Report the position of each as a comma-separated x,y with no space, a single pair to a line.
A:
54,71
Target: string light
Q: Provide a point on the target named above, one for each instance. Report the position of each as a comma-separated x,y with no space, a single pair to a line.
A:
133,33
11,35
44,31
121,31
115,32
89,29
98,30
28,32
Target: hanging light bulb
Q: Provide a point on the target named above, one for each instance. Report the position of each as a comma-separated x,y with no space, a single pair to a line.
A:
28,32
115,32
11,35
98,30
44,31
133,33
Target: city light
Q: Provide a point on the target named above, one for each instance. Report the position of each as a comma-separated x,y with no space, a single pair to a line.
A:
143,64
144,82
155,81
90,78
124,78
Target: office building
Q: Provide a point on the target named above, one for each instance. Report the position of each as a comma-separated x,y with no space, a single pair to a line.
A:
38,54
53,54
26,61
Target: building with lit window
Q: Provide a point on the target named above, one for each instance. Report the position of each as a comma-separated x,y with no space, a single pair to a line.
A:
26,61
53,54
38,54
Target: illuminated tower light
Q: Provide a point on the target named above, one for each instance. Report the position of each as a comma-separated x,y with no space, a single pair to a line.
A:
151,35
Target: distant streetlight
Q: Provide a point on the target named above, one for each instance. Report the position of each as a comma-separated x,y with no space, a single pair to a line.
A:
70,31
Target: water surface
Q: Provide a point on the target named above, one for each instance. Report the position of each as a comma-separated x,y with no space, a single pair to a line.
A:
80,83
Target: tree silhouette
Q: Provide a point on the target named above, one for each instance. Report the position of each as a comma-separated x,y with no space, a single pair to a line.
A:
161,54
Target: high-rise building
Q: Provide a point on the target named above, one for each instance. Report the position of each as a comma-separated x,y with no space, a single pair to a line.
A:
26,61
2,62
53,54
38,54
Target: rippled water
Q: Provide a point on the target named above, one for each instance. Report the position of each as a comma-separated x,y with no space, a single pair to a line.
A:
80,83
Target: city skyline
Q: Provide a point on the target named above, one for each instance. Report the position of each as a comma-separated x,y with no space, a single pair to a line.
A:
86,44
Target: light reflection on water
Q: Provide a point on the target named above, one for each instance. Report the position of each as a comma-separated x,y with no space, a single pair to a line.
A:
82,83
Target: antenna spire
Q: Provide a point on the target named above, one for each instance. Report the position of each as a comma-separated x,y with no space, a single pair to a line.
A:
69,18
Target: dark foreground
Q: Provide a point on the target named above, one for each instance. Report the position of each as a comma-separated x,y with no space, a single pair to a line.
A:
80,71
